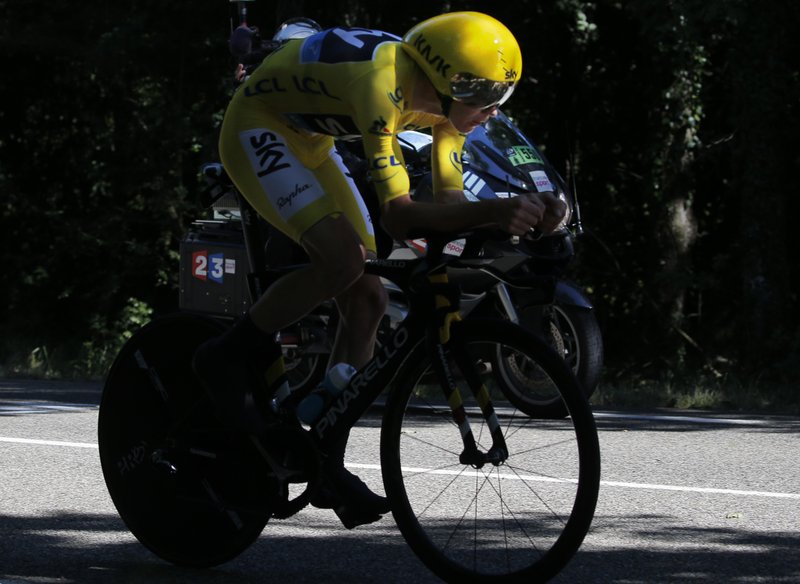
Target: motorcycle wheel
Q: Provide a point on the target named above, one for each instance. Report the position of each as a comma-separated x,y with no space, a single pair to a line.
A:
577,333
574,334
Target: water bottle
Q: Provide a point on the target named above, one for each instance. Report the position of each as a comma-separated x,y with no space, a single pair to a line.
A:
310,409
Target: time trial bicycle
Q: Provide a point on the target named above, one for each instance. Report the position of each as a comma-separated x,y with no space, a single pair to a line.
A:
480,490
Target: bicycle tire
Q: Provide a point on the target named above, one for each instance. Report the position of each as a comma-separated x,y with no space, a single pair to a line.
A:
535,509
189,490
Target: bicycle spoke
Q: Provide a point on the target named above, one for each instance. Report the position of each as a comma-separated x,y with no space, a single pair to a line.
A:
431,444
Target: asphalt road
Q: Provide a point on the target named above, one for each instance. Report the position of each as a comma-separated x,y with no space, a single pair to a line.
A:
686,497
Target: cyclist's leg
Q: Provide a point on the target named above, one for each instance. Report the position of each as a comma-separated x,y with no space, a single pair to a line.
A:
337,261
272,167
287,179
336,245
362,305
360,308
281,187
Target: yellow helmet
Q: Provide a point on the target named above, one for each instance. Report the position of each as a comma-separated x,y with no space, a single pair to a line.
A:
468,56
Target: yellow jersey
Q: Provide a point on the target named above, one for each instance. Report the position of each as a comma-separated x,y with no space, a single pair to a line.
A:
350,83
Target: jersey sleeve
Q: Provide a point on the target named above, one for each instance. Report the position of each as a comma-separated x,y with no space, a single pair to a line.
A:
386,166
446,158
378,118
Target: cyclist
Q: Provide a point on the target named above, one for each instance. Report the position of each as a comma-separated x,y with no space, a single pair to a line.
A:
449,73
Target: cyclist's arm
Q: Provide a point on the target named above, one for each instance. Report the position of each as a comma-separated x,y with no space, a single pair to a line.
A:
401,215
450,196
448,182
447,173
377,118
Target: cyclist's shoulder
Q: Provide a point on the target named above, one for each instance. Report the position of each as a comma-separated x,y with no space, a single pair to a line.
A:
342,57
348,45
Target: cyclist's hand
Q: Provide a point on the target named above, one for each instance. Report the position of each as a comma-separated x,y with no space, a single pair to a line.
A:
518,214
554,212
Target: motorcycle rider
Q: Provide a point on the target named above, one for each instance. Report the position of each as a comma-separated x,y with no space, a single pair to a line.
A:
449,73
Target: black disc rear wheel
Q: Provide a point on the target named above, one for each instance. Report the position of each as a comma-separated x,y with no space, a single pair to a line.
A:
191,491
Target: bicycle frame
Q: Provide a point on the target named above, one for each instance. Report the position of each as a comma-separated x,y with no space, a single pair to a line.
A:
370,380
433,307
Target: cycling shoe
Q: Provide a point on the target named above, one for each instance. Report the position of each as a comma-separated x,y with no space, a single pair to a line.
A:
350,498
352,518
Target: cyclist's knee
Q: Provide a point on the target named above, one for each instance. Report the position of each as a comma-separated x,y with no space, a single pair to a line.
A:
344,272
366,298
336,253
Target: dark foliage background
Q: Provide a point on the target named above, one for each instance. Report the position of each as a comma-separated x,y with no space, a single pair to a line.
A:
677,120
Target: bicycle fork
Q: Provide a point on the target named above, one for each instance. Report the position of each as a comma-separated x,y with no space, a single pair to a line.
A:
447,348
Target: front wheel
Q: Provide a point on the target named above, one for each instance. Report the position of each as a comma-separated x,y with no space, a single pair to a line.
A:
519,520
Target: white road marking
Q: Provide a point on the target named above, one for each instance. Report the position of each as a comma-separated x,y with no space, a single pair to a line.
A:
643,486
40,407
701,490
683,419
16,408
376,467
47,442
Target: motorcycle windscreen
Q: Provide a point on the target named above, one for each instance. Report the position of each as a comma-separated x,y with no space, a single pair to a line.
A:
499,150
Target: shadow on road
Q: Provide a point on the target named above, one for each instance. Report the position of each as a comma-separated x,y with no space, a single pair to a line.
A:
46,549
683,554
